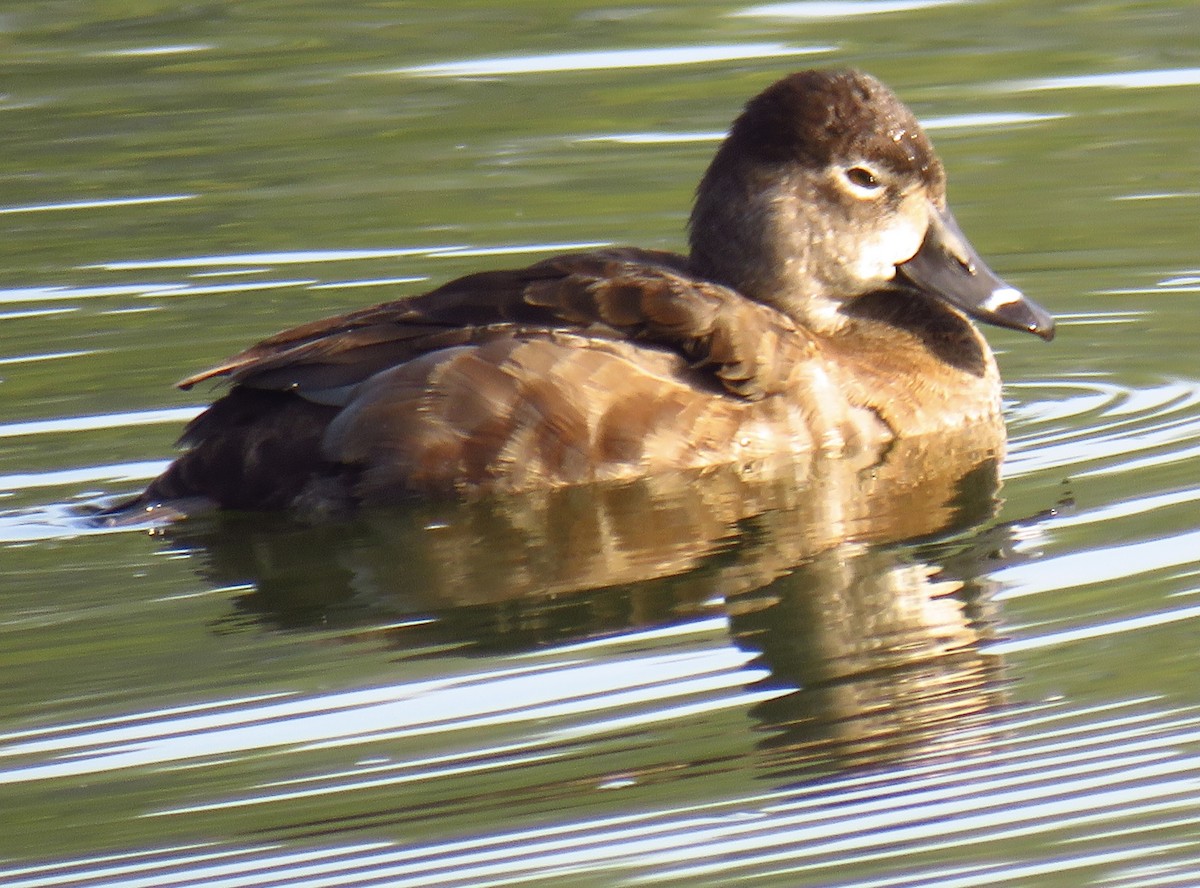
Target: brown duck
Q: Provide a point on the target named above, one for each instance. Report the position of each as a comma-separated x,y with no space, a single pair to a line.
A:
822,310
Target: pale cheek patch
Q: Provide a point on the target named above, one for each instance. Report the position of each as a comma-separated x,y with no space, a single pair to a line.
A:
878,257
1001,297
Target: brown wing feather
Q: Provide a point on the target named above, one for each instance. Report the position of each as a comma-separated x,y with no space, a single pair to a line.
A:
636,294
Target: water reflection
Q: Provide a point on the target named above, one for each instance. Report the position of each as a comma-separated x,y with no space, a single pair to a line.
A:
867,650
168,733
836,605
883,658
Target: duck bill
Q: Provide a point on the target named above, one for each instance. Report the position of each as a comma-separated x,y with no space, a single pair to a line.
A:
948,268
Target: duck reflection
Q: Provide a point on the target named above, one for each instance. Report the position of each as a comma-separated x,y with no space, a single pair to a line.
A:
832,572
881,654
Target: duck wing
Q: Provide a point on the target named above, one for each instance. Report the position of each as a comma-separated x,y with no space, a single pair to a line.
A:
638,295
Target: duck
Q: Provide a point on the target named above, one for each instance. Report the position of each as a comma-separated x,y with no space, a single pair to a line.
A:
825,307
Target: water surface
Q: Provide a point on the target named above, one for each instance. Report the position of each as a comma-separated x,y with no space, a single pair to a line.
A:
931,677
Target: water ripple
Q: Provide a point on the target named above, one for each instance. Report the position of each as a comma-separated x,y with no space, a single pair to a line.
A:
1088,426
587,698
1056,783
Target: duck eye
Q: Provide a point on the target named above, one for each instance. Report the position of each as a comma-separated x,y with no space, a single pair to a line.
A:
863,178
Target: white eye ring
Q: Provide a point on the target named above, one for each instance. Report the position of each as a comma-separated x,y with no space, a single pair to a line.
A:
863,181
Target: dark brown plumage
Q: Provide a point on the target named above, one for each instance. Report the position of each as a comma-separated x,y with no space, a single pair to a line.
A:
813,315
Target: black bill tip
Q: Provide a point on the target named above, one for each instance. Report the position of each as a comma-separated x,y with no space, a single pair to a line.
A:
1008,307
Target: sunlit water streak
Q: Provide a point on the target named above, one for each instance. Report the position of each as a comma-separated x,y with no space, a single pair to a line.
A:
36,359
368,282
97,204
129,471
531,693
150,51
1047,777
839,9
56,293
98,421
305,257
1096,630
950,123
34,313
613,59
1153,79
1157,195
1091,427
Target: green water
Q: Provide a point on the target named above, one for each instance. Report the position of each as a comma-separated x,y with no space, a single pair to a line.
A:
670,688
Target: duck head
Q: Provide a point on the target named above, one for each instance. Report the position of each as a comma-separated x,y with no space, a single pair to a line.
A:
826,189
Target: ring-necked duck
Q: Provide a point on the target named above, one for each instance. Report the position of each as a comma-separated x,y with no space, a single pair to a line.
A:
822,309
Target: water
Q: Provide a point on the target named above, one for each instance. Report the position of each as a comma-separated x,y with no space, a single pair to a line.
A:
779,683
